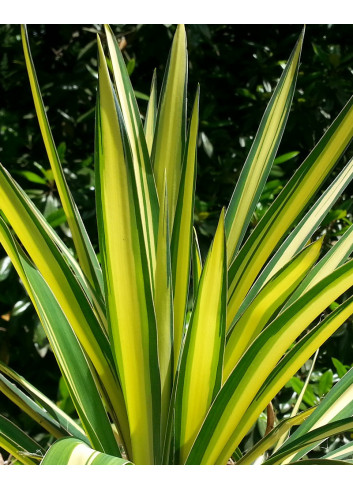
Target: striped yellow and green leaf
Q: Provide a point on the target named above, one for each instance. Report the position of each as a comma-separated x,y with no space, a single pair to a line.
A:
143,175
271,438
204,347
337,405
291,363
170,131
149,364
29,407
163,301
341,453
261,156
311,438
267,302
288,207
151,114
196,265
85,252
300,236
64,285
335,257
181,241
219,435
37,401
131,314
71,451
71,359
299,400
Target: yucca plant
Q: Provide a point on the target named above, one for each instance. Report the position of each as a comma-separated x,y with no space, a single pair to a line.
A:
169,360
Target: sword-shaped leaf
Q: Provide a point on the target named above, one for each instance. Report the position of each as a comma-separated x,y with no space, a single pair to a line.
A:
29,407
169,138
196,265
287,208
181,242
131,316
67,289
43,403
83,246
200,375
332,260
271,438
341,453
68,352
337,404
267,302
262,153
299,237
290,364
309,439
218,436
151,114
144,179
163,300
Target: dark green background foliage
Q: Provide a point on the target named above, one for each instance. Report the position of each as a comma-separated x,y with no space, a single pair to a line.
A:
237,67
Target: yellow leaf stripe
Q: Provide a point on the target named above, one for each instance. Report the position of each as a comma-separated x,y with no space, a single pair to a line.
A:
286,208
204,347
257,363
71,451
261,155
131,316
268,441
289,365
181,242
63,284
83,246
300,236
163,300
169,139
146,189
266,303
151,114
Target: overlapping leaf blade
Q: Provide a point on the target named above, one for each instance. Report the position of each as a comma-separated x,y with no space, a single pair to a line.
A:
163,300
271,438
132,323
181,242
218,436
267,302
337,405
144,179
18,443
290,364
44,403
204,347
308,439
67,289
70,357
300,236
287,208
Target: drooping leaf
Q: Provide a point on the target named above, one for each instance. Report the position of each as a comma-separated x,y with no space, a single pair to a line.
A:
71,451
